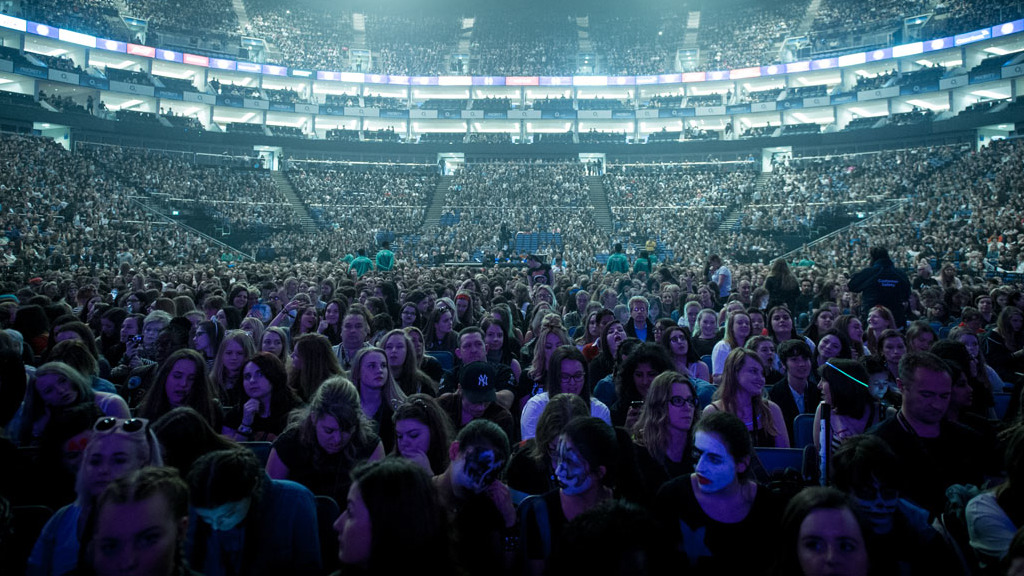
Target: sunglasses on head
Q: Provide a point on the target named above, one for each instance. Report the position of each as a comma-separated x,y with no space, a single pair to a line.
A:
130,426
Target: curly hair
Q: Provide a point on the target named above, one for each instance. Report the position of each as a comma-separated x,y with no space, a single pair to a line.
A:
551,324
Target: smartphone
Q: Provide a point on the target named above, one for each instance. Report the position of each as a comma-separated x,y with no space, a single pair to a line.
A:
263,310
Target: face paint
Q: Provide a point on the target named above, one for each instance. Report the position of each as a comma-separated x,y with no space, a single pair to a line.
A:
571,469
226,516
478,469
877,504
715,468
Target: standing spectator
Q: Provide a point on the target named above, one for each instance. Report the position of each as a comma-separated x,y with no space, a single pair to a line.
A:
720,274
385,258
782,286
882,283
361,265
617,262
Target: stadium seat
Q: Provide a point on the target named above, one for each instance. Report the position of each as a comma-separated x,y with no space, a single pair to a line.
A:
445,358
1002,404
780,458
707,360
260,449
803,430
327,512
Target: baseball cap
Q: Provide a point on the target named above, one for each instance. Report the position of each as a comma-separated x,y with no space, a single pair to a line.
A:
477,381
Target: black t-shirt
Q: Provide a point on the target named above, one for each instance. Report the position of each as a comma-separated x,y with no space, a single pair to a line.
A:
324,474
713,547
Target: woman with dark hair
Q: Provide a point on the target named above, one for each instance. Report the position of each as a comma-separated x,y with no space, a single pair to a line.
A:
182,380
820,535
662,434
109,340
501,348
394,523
438,335
586,467
851,330
325,441
676,341
782,286
330,325
844,386
229,317
566,373
185,435
633,379
720,505
312,362
207,341
307,319
409,315
378,392
892,347
741,394
238,297
265,414
34,326
1003,344
402,364
613,335
423,433
531,468
830,345
821,321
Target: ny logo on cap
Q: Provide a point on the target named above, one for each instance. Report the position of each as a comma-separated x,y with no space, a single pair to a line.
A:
481,382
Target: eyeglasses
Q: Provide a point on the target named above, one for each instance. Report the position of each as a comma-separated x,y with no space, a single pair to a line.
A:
639,309
680,401
567,378
130,426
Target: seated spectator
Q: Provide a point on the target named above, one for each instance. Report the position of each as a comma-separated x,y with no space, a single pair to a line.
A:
476,399
393,503
824,517
264,414
566,373
150,504
325,441
993,517
237,510
423,433
116,448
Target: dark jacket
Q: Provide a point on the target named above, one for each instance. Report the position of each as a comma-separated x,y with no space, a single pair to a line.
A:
781,395
883,284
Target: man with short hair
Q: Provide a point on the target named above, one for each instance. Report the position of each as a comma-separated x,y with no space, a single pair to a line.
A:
361,264
933,452
882,283
638,326
470,348
385,258
796,393
617,262
720,274
476,398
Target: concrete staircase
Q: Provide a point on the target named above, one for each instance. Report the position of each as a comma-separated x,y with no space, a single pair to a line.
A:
808,21
243,17
433,216
300,209
599,200
731,221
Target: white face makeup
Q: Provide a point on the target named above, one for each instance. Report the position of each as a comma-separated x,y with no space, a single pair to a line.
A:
571,469
715,469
